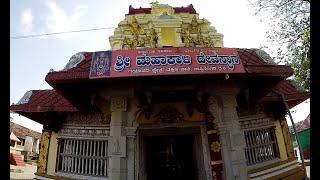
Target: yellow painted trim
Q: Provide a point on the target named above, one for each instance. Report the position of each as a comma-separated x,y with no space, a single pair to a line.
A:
281,143
51,166
216,162
212,132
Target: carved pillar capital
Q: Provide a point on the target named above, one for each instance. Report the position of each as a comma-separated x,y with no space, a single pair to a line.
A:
119,103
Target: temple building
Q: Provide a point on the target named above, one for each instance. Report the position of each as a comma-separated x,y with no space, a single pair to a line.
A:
168,101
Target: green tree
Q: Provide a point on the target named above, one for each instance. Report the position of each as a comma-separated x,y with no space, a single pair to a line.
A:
153,3
289,34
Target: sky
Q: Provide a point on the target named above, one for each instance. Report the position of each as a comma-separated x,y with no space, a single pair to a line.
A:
32,58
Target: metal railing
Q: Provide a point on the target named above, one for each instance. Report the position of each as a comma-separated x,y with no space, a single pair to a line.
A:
84,157
261,145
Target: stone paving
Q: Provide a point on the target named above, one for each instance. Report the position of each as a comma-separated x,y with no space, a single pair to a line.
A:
22,172
29,170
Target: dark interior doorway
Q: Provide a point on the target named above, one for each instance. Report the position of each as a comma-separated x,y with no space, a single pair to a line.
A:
170,157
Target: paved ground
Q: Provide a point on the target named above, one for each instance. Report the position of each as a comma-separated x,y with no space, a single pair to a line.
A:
29,170
26,174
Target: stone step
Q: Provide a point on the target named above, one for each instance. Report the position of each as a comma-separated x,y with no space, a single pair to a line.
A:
17,160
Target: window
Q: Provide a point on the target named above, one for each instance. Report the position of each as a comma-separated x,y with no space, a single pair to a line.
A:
12,143
83,157
22,141
261,145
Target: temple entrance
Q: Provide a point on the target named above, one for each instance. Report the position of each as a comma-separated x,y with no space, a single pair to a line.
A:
170,157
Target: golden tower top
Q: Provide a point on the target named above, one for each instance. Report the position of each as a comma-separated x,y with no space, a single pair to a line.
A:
164,26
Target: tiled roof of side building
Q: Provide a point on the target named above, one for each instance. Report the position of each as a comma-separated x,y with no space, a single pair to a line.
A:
292,95
304,125
22,132
44,101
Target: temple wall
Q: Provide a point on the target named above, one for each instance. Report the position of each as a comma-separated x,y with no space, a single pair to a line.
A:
121,119
52,155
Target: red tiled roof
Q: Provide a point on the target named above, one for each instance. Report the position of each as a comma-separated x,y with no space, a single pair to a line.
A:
287,87
188,9
44,101
305,124
292,95
256,65
253,64
22,132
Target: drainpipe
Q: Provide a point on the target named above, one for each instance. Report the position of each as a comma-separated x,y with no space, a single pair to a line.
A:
296,135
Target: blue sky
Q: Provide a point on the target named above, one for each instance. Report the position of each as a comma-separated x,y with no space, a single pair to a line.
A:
32,58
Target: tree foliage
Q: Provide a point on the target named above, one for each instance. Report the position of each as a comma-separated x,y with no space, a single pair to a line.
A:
153,3
289,34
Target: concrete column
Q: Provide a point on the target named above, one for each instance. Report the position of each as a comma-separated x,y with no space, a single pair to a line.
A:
28,144
233,139
117,141
131,153
223,107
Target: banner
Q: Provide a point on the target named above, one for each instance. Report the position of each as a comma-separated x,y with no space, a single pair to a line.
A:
165,61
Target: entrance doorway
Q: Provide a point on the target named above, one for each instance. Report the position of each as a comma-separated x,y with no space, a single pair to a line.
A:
170,157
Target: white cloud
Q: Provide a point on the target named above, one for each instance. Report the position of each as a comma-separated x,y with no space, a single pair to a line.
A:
26,21
59,20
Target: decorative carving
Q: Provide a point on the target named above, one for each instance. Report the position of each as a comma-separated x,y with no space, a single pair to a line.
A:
74,61
254,122
215,146
90,117
43,153
133,43
194,27
143,102
215,109
208,42
116,147
136,28
214,175
88,132
185,37
246,106
165,15
152,38
265,56
198,40
119,103
169,115
25,98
